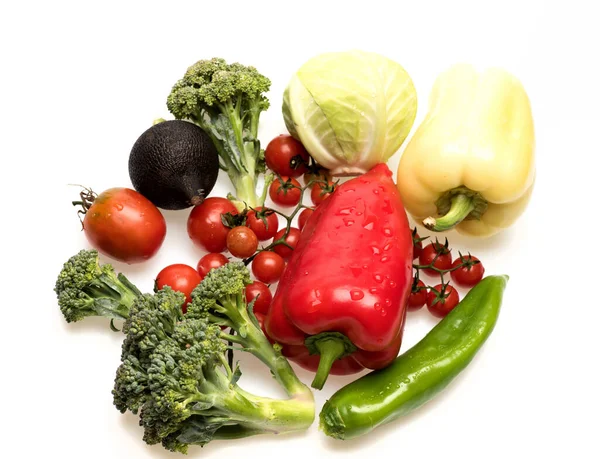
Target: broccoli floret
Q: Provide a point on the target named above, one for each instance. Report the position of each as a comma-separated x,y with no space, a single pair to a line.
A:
221,295
152,319
175,374
226,101
85,288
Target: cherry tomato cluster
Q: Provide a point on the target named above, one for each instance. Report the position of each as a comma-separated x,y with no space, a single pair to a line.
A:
217,226
435,259
288,159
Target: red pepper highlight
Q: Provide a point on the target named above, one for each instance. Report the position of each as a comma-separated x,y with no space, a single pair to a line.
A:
341,302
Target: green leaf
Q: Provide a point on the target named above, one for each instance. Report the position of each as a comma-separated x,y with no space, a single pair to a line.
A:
197,430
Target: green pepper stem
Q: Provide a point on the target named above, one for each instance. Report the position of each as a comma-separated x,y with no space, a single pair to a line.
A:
330,350
461,206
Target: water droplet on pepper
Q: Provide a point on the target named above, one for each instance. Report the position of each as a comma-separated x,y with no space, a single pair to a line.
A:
345,211
356,295
369,222
387,206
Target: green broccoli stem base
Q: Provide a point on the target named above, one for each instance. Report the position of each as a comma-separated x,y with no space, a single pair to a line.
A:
257,414
245,192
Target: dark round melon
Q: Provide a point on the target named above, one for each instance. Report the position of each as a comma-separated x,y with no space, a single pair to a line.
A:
174,164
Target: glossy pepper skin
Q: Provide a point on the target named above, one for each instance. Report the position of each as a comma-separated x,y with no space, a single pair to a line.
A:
420,373
470,164
342,296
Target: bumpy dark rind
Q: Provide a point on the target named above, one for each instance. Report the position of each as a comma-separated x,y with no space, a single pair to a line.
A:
174,164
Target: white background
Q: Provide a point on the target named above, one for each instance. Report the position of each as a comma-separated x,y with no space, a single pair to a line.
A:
81,80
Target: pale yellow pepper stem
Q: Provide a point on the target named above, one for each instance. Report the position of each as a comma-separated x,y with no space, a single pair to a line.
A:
460,208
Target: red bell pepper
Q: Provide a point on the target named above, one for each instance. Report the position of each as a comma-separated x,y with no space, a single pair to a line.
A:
341,302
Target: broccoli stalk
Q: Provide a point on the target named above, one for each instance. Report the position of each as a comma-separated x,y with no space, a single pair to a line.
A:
226,101
174,371
84,289
220,298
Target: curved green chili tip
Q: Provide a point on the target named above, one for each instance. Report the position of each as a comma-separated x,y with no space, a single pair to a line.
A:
422,372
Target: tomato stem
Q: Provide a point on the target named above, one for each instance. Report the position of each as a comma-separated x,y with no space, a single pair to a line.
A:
288,218
87,197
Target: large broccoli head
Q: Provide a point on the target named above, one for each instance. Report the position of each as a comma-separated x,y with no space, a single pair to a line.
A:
212,82
169,368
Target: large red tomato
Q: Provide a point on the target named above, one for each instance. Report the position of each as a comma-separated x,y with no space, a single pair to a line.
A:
205,227
124,225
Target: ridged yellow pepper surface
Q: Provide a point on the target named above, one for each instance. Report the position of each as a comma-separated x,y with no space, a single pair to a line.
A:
470,164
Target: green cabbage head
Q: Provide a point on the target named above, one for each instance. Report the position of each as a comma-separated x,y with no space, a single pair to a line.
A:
351,110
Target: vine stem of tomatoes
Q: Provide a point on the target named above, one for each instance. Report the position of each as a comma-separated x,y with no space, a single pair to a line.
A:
288,218
431,266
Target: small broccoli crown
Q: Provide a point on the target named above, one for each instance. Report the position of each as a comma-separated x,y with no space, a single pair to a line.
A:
229,279
79,271
208,82
85,288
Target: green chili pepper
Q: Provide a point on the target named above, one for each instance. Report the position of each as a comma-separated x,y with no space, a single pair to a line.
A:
419,374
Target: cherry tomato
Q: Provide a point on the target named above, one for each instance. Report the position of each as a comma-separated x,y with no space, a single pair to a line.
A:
211,261
430,252
179,277
263,222
317,173
291,239
321,191
417,244
417,299
303,217
122,224
470,273
242,242
261,292
205,227
268,266
441,303
285,191
286,156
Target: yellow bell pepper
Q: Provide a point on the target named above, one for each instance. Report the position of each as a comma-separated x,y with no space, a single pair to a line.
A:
470,164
